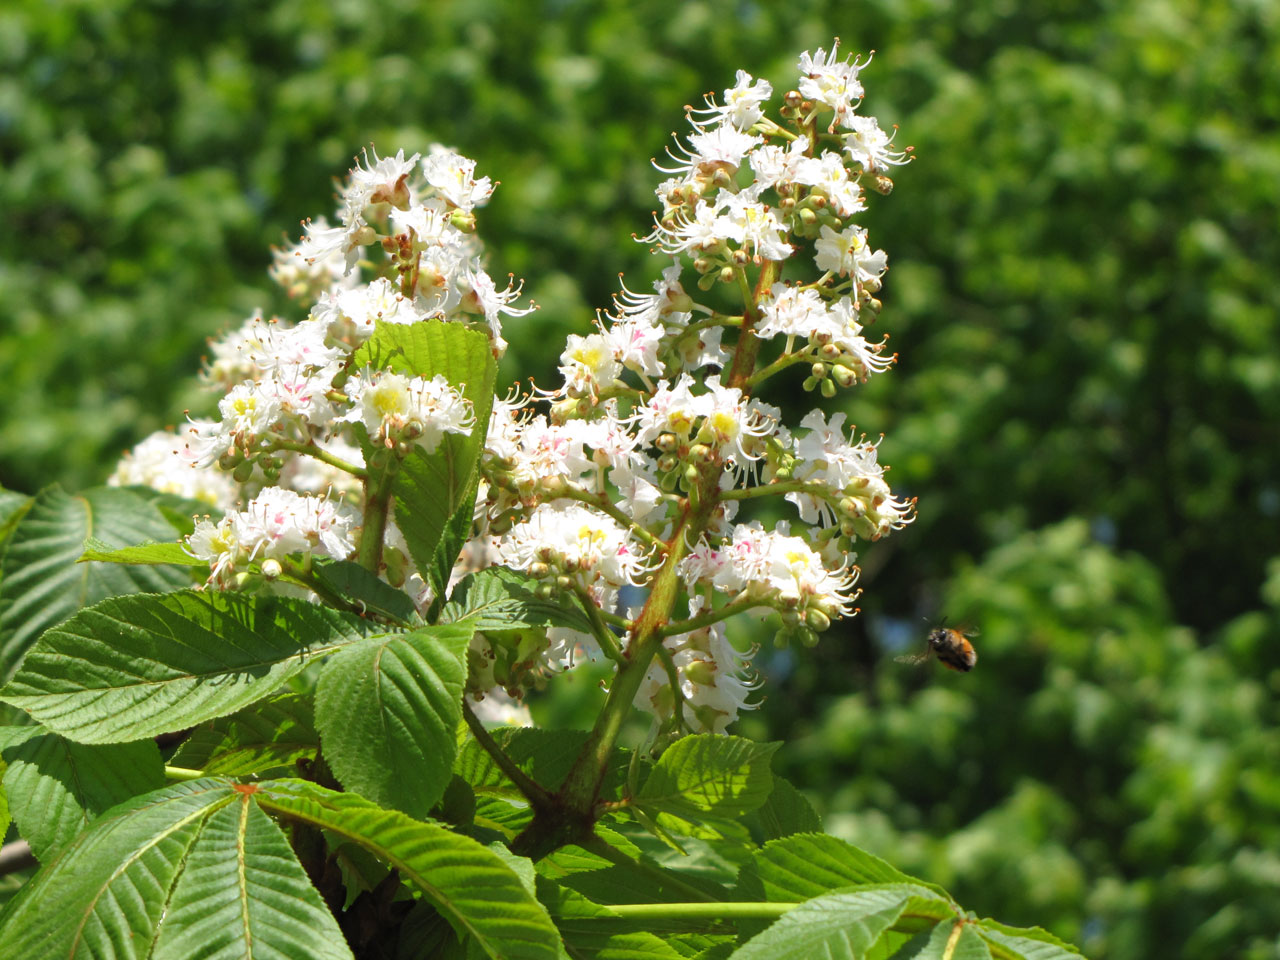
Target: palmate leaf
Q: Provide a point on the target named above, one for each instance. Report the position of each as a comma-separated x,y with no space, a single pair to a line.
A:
355,584
56,787
716,776
40,582
12,508
1032,943
472,887
434,494
137,666
545,755
589,933
802,866
955,941
272,735
195,869
143,553
388,709
502,599
846,924
786,812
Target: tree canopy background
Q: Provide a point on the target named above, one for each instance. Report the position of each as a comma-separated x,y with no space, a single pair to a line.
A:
1087,402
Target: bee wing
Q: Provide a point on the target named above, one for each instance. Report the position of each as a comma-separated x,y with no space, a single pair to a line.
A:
915,659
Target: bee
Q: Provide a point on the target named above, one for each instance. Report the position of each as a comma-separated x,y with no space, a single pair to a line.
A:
951,646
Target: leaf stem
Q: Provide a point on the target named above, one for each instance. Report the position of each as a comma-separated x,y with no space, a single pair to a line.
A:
311,449
735,606
534,792
604,636
183,773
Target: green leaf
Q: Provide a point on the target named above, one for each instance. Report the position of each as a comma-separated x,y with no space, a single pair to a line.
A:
472,887
354,583
138,666
719,776
57,787
545,755
195,869
501,599
431,490
388,711
13,507
270,736
844,924
802,866
966,945
146,553
585,935
40,582
1032,943
786,812
6,817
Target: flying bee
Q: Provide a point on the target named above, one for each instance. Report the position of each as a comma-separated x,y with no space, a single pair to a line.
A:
951,646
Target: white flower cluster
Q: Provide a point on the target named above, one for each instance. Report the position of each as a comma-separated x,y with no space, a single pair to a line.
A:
275,525
628,483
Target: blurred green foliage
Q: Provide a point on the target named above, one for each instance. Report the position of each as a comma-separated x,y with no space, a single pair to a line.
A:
1087,403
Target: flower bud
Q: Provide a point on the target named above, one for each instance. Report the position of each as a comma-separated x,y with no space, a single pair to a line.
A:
817,620
243,471
395,565
728,274
365,235
700,451
666,442
828,388
830,351
701,672
271,569
538,570
808,217
810,383
844,376
819,371
667,463
691,474
883,185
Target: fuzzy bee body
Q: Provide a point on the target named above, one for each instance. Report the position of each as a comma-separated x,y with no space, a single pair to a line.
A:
951,647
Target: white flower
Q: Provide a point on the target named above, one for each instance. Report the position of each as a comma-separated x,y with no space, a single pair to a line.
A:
741,103
832,82
158,462
481,295
827,175
780,570
275,524
848,253
753,225
870,146
453,176
306,279
588,364
712,679
396,408
498,709
576,540
792,312
351,316
774,165
720,148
